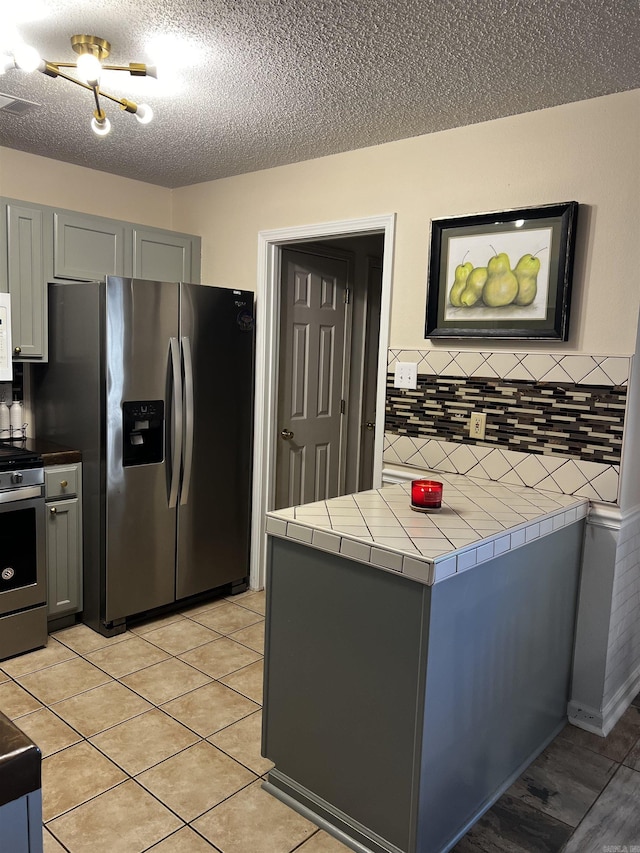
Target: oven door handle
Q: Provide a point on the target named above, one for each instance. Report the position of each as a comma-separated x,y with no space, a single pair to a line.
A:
20,494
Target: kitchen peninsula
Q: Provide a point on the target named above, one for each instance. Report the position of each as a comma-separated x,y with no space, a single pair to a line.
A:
416,663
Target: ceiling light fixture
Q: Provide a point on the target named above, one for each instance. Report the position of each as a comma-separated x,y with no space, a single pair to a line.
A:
91,51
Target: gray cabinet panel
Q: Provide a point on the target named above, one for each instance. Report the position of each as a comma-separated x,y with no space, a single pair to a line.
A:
343,683
87,248
40,243
162,255
26,280
400,712
64,541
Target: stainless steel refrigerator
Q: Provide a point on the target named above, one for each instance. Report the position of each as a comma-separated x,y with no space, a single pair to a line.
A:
153,382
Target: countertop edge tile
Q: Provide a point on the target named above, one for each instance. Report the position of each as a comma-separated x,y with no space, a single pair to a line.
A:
540,519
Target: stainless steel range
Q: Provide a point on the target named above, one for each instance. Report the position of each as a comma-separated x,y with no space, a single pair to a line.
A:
23,586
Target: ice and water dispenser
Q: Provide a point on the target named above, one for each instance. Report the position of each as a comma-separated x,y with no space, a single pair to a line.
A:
142,432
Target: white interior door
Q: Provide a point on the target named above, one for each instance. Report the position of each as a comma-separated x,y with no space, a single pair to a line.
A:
312,378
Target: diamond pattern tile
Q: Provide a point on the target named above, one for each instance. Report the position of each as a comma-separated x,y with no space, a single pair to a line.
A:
473,512
551,367
555,473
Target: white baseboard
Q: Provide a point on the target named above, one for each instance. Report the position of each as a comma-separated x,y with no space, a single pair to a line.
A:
586,718
602,722
620,701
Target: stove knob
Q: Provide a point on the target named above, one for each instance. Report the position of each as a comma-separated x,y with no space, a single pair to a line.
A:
16,477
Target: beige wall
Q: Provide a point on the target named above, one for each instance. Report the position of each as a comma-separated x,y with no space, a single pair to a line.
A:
44,181
587,151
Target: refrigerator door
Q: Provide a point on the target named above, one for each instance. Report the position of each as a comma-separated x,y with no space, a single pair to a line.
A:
216,333
141,321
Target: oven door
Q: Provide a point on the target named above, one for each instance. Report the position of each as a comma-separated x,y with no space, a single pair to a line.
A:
22,549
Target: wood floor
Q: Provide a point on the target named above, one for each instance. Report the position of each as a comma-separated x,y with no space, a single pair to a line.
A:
581,795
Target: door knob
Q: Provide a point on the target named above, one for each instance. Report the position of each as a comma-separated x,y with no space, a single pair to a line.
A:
53,510
63,484
370,425
286,434
17,350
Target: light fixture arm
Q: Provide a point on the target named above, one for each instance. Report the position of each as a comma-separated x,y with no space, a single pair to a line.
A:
93,46
52,69
136,69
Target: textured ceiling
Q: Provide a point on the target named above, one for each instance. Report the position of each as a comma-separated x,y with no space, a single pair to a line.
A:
268,82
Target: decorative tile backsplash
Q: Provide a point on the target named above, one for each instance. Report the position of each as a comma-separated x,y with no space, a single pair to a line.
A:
538,417
553,421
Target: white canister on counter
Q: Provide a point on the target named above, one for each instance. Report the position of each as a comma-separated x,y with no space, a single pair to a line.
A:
5,420
15,419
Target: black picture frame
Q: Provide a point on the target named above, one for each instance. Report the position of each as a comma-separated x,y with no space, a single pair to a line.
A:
463,244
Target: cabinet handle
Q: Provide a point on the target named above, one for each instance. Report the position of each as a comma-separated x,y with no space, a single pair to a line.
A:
63,484
17,350
53,510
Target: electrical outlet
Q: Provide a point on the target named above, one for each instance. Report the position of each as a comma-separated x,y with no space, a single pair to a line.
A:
406,375
477,424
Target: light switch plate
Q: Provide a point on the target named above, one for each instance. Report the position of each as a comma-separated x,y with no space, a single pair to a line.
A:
406,375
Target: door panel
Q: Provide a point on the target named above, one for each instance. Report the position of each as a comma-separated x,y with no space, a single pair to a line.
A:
161,255
88,248
26,280
213,519
141,528
313,323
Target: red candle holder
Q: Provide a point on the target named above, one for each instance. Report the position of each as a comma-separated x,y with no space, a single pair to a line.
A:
426,495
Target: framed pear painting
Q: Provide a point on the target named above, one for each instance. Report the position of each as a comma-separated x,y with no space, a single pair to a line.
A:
502,275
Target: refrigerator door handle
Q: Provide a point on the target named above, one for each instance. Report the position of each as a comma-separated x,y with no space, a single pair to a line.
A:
188,419
176,449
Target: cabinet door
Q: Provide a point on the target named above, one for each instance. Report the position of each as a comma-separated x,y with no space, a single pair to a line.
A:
26,279
164,256
87,248
64,557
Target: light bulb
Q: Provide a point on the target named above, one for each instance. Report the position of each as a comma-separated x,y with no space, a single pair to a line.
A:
102,127
144,113
89,67
6,62
27,58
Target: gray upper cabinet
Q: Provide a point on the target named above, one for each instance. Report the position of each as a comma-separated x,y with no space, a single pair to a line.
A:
26,282
87,248
40,243
165,255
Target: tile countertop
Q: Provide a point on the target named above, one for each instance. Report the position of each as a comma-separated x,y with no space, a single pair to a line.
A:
479,520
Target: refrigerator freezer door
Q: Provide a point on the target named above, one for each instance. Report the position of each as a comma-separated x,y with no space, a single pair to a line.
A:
142,317
216,331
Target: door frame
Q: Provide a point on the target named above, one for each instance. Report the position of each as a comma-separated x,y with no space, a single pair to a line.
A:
267,352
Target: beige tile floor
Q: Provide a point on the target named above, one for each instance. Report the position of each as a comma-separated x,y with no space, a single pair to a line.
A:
151,741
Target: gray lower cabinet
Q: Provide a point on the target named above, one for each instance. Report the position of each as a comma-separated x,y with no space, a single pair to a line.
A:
20,791
63,496
396,712
39,244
